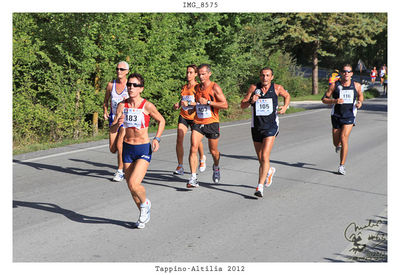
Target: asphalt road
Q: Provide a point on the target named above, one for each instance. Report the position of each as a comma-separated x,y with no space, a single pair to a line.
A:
66,208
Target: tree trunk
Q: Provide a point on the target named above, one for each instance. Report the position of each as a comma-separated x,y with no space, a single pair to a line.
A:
316,47
315,72
77,120
95,124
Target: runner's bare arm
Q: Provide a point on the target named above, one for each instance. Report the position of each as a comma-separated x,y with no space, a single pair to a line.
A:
178,104
118,119
360,95
155,114
220,100
248,99
327,97
106,100
286,98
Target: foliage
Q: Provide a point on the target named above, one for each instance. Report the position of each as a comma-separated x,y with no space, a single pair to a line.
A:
371,93
328,35
62,62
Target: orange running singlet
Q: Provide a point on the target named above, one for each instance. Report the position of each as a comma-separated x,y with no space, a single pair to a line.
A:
205,114
187,94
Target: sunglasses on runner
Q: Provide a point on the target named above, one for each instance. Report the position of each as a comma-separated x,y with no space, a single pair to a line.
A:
346,71
129,84
121,69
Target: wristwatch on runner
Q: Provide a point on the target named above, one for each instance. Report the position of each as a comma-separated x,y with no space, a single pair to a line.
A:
208,102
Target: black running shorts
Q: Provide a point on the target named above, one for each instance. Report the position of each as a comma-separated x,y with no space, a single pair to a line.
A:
186,122
338,122
210,131
259,134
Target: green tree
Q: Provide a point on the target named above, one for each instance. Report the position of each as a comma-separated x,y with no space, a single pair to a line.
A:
319,33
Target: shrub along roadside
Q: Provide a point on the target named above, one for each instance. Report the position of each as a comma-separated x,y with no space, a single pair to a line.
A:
371,93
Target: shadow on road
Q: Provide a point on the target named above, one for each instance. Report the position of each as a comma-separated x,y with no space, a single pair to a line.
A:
97,173
239,156
153,177
73,216
295,164
215,186
303,165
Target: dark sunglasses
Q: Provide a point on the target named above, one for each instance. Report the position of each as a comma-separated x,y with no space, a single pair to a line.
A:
121,69
129,84
346,71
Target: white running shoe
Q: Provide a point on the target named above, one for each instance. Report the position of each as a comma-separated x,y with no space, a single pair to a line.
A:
342,170
192,182
118,176
145,212
216,174
259,191
203,165
179,170
270,175
140,225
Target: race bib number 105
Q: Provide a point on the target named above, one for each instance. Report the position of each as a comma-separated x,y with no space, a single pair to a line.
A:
264,107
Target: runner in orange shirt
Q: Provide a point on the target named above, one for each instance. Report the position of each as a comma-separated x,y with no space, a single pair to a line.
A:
186,119
209,99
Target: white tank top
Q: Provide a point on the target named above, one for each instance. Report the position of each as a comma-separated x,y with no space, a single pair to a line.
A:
117,98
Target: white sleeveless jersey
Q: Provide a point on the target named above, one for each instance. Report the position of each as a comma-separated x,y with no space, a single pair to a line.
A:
116,98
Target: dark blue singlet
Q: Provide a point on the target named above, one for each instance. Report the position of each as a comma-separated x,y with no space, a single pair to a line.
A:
264,114
349,93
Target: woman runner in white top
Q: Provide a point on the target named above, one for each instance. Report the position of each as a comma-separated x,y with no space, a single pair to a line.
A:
116,92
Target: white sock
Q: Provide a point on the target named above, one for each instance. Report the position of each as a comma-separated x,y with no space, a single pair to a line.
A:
120,171
145,203
194,175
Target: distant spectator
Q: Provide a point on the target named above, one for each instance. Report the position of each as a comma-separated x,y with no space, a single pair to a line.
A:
374,74
382,73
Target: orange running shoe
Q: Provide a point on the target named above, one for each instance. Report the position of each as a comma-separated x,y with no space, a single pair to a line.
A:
270,174
179,170
202,167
